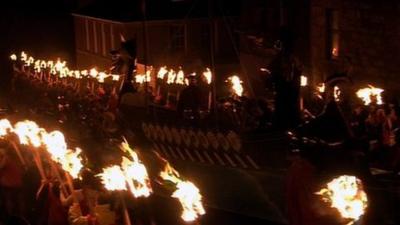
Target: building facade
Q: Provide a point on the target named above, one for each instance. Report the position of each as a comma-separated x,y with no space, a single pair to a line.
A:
330,36
171,42
363,34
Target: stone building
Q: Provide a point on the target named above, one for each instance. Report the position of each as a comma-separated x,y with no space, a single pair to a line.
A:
363,33
330,36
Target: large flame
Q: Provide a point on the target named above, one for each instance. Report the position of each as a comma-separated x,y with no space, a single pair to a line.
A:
346,194
113,178
369,93
72,162
29,133
187,193
135,173
5,127
236,85
69,160
55,144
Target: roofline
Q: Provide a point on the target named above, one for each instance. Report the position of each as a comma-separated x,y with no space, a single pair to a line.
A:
139,21
96,18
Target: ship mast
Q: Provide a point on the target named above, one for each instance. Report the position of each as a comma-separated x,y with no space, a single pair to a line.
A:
212,60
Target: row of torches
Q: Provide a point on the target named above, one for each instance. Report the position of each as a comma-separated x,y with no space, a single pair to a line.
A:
131,175
368,94
344,193
168,75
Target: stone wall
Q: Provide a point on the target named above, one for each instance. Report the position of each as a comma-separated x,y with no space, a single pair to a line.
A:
369,36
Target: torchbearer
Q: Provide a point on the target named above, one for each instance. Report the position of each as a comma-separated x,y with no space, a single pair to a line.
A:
207,75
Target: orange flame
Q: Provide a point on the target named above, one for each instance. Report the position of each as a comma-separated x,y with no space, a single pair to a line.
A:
303,81
236,85
5,127
113,178
208,75
171,76
180,77
187,193
346,194
29,133
161,73
135,173
367,94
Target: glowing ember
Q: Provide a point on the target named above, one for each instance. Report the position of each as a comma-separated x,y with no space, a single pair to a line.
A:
28,132
303,81
208,75
346,194
187,193
236,85
5,127
162,72
13,57
369,94
113,178
135,173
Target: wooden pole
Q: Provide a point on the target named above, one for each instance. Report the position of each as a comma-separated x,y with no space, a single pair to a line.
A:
127,219
19,154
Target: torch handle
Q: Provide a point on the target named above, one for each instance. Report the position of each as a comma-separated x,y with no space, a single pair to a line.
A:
127,219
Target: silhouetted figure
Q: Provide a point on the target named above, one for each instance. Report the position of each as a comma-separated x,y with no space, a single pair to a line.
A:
190,100
286,72
124,63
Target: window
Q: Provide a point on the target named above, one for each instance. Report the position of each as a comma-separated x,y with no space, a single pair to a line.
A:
95,41
87,35
177,37
103,40
332,34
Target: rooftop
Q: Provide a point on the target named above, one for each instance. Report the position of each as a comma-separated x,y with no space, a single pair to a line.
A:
131,10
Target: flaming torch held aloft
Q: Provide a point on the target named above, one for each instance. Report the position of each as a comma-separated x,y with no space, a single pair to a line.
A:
135,173
370,94
346,194
208,77
237,86
186,192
